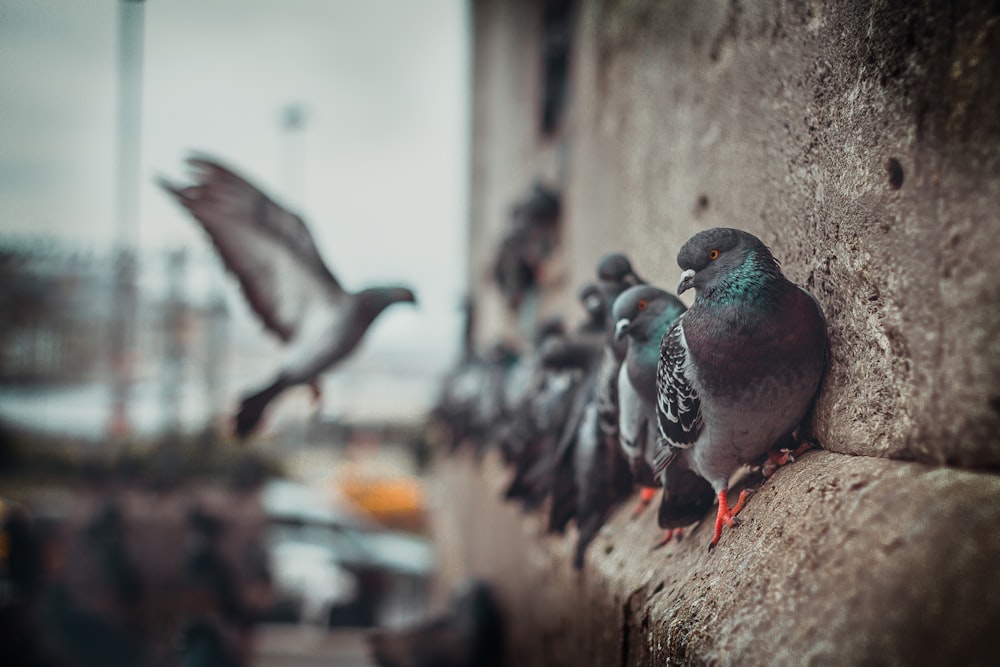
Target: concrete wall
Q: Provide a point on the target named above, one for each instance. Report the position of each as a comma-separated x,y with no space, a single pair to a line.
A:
861,141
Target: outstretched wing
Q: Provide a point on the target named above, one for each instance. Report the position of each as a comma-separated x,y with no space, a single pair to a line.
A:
678,409
268,248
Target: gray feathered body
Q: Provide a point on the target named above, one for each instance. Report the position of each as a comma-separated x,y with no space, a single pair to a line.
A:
756,369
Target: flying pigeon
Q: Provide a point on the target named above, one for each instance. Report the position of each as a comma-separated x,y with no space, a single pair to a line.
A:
642,314
284,279
740,369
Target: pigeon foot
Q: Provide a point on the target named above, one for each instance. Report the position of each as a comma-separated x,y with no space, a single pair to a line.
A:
317,392
727,515
777,458
646,495
668,535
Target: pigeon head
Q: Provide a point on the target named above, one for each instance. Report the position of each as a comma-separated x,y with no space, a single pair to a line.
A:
724,258
614,276
640,310
615,269
592,302
377,299
503,354
551,328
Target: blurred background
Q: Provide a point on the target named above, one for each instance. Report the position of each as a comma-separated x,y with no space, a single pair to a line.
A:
124,346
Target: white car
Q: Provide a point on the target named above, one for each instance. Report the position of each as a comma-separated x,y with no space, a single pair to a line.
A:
309,576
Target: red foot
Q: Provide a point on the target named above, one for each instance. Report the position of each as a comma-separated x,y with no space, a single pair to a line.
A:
726,515
672,533
646,495
779,457
317,393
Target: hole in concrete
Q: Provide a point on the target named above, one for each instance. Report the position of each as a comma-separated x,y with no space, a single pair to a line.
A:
895,170
702,202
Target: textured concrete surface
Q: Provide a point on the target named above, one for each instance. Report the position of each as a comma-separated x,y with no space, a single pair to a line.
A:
860,140
839,560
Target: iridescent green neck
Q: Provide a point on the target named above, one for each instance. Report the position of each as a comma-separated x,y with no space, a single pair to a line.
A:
657,329
752,282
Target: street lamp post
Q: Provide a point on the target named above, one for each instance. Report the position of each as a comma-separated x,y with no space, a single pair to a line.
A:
122,339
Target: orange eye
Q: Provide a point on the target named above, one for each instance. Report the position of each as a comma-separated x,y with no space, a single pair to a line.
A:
642,304
713,253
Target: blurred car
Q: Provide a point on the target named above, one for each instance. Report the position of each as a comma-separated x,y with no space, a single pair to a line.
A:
391,570
394,500
311,585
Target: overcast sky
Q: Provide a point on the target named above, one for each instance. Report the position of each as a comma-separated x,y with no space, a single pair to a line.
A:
382,156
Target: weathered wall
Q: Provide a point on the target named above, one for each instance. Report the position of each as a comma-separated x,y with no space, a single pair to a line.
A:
861,141
839,559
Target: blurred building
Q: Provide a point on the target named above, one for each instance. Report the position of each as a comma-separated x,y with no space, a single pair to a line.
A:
56,316
53,304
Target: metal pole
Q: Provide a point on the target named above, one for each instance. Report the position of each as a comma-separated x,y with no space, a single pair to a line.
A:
175,324
122,339
293,122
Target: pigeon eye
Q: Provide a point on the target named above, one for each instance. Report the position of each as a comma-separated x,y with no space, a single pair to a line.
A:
642,304
713,253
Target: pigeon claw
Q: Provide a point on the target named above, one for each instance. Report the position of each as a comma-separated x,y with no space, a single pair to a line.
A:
646,495
726,515
780,457
669,534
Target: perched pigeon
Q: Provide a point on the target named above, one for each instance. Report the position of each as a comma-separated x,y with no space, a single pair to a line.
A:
567,363
522,254
615,275
460,386
589,462
740,369
284,279
642,315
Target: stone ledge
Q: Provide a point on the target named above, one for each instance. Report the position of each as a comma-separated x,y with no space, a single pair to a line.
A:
839,560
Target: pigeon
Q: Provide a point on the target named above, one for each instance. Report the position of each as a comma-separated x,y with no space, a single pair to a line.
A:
739,371
642,315
203,643
471,633
615,275
285,281
589,462
566,366
522,253
460,387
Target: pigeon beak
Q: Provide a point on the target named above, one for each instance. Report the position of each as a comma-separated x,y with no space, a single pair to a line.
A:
686,283
631,279
622,327
408,296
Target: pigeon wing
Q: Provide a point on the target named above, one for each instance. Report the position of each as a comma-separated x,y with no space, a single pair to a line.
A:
268,248
678,408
